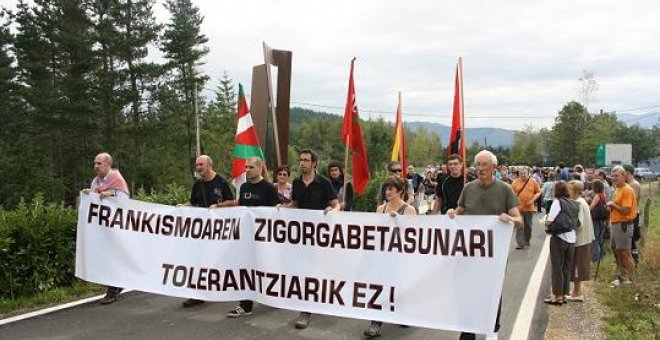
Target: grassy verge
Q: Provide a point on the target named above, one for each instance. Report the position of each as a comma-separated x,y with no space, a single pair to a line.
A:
625,317
10,307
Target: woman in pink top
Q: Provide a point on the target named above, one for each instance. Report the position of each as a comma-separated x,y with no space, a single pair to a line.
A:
283,185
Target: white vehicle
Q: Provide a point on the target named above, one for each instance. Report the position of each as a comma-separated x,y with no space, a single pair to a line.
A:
645,174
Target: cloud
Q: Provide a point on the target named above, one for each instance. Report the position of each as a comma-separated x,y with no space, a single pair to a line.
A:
522,59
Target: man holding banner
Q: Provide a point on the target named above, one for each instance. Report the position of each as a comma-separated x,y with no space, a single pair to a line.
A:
108,182
311,191
486,196
211,190
411,270
255,192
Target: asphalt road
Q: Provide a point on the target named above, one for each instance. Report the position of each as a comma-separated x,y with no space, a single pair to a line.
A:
140,315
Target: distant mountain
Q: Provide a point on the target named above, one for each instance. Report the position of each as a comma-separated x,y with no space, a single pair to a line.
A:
489,136
647,120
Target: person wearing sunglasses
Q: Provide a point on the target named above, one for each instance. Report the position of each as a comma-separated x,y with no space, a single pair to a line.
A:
395,169
282,184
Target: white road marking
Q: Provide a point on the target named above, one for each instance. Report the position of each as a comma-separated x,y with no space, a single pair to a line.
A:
53,309
528,306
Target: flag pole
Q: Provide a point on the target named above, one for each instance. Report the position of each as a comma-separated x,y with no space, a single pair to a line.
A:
343,199
348,140
463,135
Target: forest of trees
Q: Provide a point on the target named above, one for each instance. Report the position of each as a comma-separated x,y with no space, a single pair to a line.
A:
76,78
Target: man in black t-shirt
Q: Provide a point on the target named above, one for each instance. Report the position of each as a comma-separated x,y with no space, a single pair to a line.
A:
449,188
210,190
256,192
311,191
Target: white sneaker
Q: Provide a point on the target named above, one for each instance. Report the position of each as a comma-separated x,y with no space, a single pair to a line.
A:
627,282
615,283
491,336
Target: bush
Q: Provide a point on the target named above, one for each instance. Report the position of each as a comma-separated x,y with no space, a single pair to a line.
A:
37,247
368,200
172,195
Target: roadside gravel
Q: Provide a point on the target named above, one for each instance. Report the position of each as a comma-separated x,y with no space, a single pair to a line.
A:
577,320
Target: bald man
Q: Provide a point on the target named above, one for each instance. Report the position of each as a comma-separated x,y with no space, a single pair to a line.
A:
108,182
210,190
256,192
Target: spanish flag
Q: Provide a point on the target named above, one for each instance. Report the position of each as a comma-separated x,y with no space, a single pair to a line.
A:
399,148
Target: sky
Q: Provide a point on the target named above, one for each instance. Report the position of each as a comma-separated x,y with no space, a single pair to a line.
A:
521,59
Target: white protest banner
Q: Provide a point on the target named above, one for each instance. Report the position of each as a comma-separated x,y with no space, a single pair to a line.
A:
427,271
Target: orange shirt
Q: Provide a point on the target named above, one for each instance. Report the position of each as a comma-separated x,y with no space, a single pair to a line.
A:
531,189
625,197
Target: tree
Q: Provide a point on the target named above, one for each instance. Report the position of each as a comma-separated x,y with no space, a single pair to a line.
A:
567,130
526,147
135,23
588,86
11,111
183,47
424,148
24,168
54,52
323,135
219,125
600,130
644,141
473,149
378,137
225,97
127,83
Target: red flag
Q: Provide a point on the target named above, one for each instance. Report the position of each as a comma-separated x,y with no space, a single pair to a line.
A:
456,136
399,147
351,135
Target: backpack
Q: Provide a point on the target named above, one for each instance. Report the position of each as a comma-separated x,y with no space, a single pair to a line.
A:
567,219
600,212
417,179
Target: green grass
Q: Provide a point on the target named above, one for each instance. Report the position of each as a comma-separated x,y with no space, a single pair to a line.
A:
9,307
626,318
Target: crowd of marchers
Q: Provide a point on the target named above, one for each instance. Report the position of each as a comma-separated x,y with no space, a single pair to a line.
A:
578,208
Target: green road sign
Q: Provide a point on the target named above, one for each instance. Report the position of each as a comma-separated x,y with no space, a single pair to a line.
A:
600,155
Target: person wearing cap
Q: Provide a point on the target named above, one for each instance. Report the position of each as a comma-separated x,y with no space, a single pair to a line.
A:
579,170
637,189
